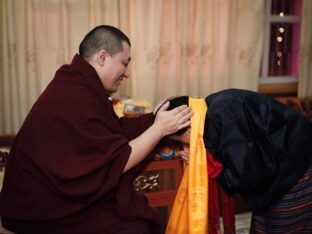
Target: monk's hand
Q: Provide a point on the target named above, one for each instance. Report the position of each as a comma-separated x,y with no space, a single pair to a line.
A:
169,122
160,104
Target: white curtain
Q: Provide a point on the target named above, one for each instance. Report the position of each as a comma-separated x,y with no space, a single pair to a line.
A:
191,47
305,61
195,47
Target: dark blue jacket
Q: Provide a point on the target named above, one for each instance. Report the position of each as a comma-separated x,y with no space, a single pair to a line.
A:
265,146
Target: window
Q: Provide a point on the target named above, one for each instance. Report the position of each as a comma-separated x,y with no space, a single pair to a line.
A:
281,42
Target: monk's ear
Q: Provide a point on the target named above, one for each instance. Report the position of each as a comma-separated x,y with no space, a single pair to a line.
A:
101,57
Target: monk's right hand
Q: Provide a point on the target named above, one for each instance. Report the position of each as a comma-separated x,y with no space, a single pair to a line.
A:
169,122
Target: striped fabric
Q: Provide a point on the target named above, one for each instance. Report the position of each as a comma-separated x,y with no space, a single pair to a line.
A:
291,214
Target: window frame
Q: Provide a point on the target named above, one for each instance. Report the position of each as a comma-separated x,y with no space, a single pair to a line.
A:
265,79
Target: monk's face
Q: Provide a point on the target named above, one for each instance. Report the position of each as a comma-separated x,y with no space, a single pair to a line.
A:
115,69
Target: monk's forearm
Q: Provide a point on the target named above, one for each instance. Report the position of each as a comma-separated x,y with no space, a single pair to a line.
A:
166,122
143,145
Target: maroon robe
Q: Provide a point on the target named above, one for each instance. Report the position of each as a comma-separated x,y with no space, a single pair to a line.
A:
65,169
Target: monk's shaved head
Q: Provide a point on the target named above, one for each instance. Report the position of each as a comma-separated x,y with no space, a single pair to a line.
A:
103,37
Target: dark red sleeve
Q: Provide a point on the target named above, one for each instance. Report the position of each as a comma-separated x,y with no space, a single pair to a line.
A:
134,126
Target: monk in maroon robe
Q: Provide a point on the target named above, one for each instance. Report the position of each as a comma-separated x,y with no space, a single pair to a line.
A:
72,164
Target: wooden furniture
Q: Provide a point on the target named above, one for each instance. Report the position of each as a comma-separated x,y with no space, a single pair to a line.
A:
274,90
302,105
6,141
160,182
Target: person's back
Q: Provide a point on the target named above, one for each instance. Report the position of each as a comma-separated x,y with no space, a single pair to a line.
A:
266,145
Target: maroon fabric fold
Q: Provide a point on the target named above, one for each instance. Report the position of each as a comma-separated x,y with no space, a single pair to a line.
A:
228,212
214,207
70,154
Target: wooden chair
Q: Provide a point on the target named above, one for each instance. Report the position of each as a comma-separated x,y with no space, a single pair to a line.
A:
6,141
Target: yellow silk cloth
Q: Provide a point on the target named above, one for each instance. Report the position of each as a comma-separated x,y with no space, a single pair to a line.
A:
190,209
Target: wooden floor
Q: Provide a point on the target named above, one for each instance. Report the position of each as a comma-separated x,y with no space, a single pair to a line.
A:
242,223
